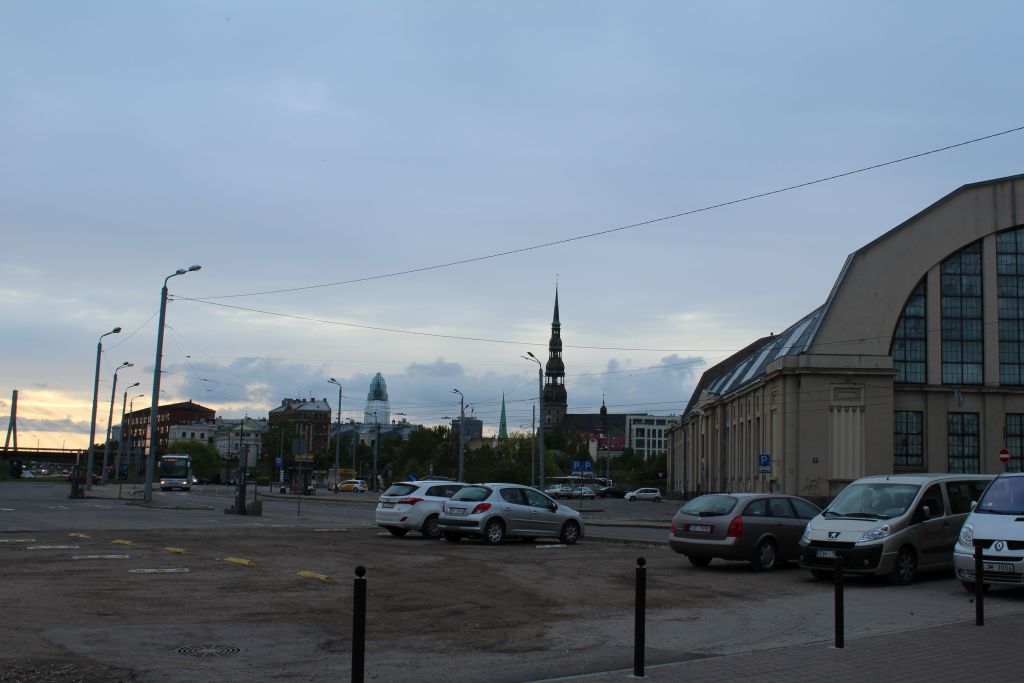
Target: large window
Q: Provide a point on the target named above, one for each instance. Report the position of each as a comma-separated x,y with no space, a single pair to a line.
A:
908,439
1010,284
962,338
963,444
909,341
1015,440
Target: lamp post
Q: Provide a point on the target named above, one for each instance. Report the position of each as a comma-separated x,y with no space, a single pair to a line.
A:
147,496
92,422
462,428
540,400
337,435
121,439
376,450
110,419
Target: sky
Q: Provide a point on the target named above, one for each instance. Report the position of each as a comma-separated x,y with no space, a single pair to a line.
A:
324,161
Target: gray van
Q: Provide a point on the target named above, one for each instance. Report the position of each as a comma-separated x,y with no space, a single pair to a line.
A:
891,525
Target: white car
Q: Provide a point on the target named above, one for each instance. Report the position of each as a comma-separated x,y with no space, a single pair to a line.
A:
643,494
414,506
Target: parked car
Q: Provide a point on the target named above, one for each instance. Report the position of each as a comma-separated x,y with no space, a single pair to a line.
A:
995,519
354,485
760,528
643,494
559,491
414,506
580,492
891,525
495,512
610,492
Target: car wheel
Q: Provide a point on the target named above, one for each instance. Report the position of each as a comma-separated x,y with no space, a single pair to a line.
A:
429,528
494,532
570,533
905,568
452,537
765,556
632,499
657,499
821,574
699,560
970,586
395,531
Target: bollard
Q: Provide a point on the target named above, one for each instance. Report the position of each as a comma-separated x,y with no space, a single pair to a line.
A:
837,578
638,631
979,584
359,625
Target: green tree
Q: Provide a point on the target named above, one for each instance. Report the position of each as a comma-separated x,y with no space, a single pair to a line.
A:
206,461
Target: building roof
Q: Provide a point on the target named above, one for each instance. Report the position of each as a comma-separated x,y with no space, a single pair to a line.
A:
299,404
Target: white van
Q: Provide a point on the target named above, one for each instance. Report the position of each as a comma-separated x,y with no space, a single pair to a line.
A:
998,520
891,525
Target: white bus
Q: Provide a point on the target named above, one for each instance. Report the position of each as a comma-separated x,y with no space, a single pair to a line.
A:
175,471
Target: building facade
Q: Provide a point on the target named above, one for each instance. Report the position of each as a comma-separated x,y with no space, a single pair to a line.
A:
167,416
646,434
310,418
378,409
914,363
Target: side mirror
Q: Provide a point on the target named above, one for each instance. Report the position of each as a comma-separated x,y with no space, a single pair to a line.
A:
926,511
974,504
553,507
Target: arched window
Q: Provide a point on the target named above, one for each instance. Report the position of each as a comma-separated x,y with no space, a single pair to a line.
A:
909,342
1010,285
963,356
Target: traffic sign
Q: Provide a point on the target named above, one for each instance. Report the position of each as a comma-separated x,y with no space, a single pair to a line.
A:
582,466
764,463
1004,456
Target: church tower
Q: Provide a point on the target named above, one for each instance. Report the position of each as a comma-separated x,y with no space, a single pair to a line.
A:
555,398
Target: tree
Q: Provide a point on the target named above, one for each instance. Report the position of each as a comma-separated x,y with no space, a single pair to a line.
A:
206,461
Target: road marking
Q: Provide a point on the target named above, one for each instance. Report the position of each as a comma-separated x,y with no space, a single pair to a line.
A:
330,529
99,557
53,547
121,541
550,546
171,570
79,535
241,561
314,575
17,540
180,551
7,509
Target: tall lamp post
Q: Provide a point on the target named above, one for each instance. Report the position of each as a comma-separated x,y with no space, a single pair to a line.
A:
462,428
376,450
121,436
337,435
147,496
110,419
92,423
540,399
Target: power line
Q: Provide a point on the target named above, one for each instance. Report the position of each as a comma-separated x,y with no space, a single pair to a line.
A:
630,226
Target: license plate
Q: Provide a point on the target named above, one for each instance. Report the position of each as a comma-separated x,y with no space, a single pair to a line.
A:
456,512
1004,567
823,554
699,528
387,505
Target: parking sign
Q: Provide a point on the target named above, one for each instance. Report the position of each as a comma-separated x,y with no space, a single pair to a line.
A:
764,463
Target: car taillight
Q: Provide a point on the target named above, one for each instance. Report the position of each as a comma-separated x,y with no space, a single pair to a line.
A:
482,507
409,501
673,527
735,528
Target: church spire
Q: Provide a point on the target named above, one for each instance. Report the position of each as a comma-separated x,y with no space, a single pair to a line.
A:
555,397
502,426
554,320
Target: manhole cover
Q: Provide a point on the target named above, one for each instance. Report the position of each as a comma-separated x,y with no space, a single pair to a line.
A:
209,650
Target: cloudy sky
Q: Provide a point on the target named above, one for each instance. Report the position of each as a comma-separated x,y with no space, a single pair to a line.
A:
309,155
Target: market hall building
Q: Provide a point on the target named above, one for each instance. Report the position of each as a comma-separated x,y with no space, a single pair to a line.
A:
914,363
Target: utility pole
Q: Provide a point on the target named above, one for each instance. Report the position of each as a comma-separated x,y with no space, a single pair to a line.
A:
337,436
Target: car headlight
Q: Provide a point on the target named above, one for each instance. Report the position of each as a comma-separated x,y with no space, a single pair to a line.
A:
807,532
878,533
967,536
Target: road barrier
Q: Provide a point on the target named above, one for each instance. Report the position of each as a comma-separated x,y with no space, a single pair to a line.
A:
359,625
837,581
640,618
979,582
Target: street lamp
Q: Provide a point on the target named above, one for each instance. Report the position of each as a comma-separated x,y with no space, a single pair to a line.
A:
147,496
110,418
540,400
121,440
376,450
92,422
462,428
337,436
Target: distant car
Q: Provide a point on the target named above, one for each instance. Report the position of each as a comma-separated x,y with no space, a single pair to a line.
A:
495,512
761,528
610,492
643,494
582,492
28,474
558,491
354,485
414,506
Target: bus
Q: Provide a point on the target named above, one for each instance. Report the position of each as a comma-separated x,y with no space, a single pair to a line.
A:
175,471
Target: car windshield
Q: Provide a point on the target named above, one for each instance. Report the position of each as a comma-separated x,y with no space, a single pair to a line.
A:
873,500
400,490
472,493
707,506
1004,496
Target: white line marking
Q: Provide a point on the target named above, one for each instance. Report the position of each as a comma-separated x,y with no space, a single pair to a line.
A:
17,540
53,547
172,570
99,557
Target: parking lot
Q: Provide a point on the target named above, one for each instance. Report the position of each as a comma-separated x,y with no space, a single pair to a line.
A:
182,592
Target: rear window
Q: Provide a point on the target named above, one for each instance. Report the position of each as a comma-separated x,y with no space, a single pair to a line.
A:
709,505
399,489
472,493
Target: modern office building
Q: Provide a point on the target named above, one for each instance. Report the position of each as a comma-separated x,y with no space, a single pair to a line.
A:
378,409
645,434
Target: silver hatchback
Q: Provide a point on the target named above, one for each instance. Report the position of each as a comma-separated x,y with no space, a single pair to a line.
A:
495,512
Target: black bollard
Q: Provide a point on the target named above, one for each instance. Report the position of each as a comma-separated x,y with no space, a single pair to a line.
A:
979,584
641,605
359,626
837,578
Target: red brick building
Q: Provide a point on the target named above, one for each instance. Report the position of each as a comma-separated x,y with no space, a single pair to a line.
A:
137,423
